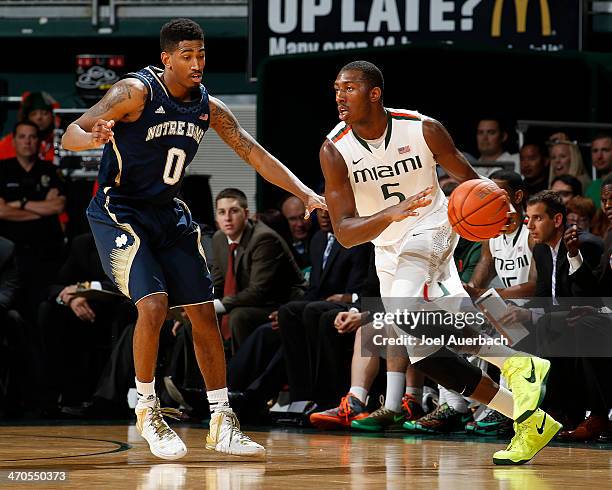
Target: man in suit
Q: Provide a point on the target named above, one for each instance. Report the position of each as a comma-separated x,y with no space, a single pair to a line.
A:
253,269
301,228
557,282
595,326
337,276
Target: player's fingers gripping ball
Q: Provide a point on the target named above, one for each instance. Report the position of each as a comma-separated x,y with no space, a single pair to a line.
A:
478,210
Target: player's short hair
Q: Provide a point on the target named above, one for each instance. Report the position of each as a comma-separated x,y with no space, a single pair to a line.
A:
371,73
26,122
551,200
232,193
570,180
177,30
514,180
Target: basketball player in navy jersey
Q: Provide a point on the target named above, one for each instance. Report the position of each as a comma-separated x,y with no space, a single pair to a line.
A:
381,186
151,123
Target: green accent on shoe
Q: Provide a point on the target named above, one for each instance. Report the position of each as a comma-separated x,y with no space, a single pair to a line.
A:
379,420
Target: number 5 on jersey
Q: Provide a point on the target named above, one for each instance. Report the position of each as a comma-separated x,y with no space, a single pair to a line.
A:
389,195
172,170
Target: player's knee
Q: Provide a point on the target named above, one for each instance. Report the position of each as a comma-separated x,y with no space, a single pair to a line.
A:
153,309
451,371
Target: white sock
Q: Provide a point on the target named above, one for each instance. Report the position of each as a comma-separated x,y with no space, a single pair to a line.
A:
496,354
502,382
441,395
217,399
456,401
146,394
395,390
503,402
360,393
417,393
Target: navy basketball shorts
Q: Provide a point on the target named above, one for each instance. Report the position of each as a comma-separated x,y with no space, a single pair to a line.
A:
149,249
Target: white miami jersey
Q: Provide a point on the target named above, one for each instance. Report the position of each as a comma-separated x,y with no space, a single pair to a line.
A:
512,256
402,166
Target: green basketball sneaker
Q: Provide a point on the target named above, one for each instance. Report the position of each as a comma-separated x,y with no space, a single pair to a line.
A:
442,420
529,439
526,378
383,418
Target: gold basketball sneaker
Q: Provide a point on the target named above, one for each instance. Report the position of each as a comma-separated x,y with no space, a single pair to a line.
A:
163,441
225,436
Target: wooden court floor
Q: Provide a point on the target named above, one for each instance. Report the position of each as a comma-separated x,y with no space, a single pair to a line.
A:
114,456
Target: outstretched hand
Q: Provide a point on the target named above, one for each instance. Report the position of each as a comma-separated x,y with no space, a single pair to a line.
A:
312,202
407,207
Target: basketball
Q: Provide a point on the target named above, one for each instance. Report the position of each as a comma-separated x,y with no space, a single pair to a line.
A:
478,210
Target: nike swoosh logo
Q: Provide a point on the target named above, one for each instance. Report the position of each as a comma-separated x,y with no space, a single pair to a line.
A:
355,162
416,234
541,429
532,378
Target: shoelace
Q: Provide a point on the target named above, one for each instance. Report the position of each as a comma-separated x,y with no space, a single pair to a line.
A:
518,436
440,410
235,430
345,410
406,404
159,424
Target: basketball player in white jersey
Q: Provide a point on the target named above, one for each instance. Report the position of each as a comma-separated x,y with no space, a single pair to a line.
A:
380,176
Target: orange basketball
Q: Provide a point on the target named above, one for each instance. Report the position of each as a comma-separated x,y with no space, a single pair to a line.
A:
478,210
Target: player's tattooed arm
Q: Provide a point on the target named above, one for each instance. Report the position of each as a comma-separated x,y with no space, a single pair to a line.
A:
227,127
124,101
270,168
446,153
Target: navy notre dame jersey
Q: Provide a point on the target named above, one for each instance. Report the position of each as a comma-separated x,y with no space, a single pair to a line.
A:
146,159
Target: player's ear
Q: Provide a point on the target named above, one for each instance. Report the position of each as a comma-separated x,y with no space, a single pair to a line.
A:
375,94
519,196
165,59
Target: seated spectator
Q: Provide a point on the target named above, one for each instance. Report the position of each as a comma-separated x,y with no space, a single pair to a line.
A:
301,229
257,372
15,368
36,107
601,160
558,284
567,187
83,315
253,269
491,137
31,199
580,213
337,274
603,216
565,159
534,167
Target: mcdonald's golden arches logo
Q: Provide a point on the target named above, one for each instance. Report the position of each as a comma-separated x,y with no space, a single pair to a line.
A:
520,7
